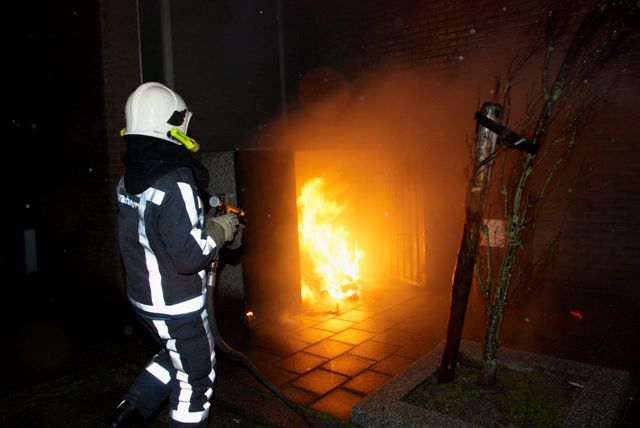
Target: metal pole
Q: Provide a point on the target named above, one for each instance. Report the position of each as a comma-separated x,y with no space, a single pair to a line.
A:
463,275
139,41
167,47
282,64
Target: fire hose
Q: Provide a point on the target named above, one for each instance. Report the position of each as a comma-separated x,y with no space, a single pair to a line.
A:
225,207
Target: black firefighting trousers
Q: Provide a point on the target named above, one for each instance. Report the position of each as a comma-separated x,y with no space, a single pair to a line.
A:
183,370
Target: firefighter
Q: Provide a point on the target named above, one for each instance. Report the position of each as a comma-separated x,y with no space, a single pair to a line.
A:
166,245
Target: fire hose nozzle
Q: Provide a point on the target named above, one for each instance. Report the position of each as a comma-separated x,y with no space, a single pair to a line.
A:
222,203
236,210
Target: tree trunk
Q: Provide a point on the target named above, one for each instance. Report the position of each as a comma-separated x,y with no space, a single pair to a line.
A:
495,309
488,375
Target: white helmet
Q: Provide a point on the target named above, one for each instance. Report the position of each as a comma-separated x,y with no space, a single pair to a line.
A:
156,111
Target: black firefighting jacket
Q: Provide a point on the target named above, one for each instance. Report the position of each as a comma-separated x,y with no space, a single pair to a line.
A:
163,245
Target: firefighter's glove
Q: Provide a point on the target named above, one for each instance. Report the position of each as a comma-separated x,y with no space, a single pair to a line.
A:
237,239
222,228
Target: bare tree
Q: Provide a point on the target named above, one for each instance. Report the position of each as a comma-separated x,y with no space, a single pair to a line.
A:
554,119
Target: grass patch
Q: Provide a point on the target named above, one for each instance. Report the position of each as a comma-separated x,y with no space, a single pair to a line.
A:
535,398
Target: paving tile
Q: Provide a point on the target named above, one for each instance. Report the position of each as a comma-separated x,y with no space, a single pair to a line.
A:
238,373
301,362
418,348
338,403
348,364
353,336
355,315
380,300
367,382
377,306
349,304
320,381
335,325
374,325
278,376
299,396
394,314
295,323
281,347
329,348
374,350
261,359
396,337
319,316
424,323
393,365
311,335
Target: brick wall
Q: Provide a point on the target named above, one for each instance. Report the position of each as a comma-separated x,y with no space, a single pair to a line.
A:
594,199
363,34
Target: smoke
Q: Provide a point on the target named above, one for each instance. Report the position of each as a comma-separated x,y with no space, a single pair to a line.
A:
395,145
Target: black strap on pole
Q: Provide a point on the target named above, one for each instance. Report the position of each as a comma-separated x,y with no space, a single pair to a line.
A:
508,136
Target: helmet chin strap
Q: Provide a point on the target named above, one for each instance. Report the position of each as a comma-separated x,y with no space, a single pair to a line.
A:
176,134
191,144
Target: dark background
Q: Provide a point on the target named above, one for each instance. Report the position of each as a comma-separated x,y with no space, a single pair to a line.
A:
71,65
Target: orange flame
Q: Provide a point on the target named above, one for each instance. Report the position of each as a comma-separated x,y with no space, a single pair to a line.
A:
329,263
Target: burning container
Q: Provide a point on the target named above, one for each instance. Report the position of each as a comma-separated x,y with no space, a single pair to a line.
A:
325,227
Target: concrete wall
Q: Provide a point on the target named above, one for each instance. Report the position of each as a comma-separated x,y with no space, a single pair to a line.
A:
221,166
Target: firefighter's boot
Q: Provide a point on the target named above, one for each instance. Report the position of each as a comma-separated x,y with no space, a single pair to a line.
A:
125,416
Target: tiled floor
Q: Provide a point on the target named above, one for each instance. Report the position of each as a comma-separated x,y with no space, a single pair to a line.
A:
364,344
331,360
